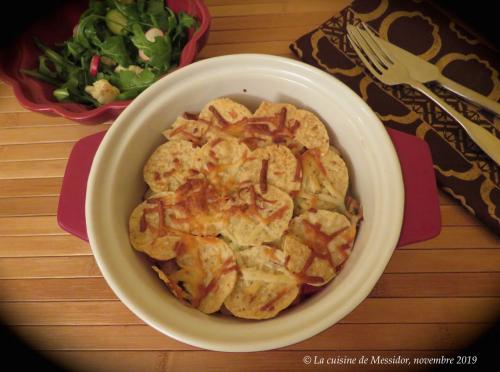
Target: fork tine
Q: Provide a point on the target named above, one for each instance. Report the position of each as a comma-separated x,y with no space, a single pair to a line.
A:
360,54
370,49
382,53
354,33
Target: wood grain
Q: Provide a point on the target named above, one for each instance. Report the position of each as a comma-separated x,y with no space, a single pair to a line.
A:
460,237
271,21
42,245
339,337
411,261
10,104
266,47
258,35
41,151
30,187
27,226
30,206
31,119
434,298
400,285
10,136
293,7
371,310
160,361
32,169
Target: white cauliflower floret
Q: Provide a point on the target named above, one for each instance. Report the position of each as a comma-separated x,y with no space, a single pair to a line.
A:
134,68
102,91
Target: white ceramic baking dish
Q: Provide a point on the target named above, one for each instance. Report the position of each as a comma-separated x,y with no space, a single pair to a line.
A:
116,186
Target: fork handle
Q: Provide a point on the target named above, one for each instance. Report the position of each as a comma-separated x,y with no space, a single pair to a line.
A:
469,94
487,141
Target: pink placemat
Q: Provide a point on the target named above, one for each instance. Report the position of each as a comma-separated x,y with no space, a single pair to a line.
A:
422,219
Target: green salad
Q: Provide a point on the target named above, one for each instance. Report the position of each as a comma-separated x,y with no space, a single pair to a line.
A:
118,49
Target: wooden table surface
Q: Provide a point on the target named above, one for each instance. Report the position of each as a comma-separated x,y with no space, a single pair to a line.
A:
434,297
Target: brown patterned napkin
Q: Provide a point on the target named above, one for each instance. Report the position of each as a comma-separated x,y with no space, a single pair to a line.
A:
462,169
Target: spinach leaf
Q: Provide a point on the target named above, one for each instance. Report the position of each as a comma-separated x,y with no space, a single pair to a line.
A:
159,51
114,47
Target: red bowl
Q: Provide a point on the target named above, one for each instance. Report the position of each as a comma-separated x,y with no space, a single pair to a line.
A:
37,96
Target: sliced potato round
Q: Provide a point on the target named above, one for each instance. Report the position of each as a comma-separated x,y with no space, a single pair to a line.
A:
198,209
207,272
264,287
311,133
147,230
195,208
219,209
253,218
297,129
310,267
224,111
325,180
222,159
325,232
197,132
270,109
171,165
271,165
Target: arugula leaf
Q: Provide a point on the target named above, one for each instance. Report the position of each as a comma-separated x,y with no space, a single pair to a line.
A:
126,80
156,6
67,67
38,75
128,94
74,48
141,5
95,7
159,51
187,21
158,14
114,48
180,34
128,10
55,57
47,70
86,32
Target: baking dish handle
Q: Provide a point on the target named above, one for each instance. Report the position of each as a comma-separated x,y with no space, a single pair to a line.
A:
422,219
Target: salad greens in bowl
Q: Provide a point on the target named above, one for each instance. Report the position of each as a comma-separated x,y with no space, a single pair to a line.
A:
103,55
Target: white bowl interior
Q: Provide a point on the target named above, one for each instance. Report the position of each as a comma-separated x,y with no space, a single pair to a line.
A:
116,186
